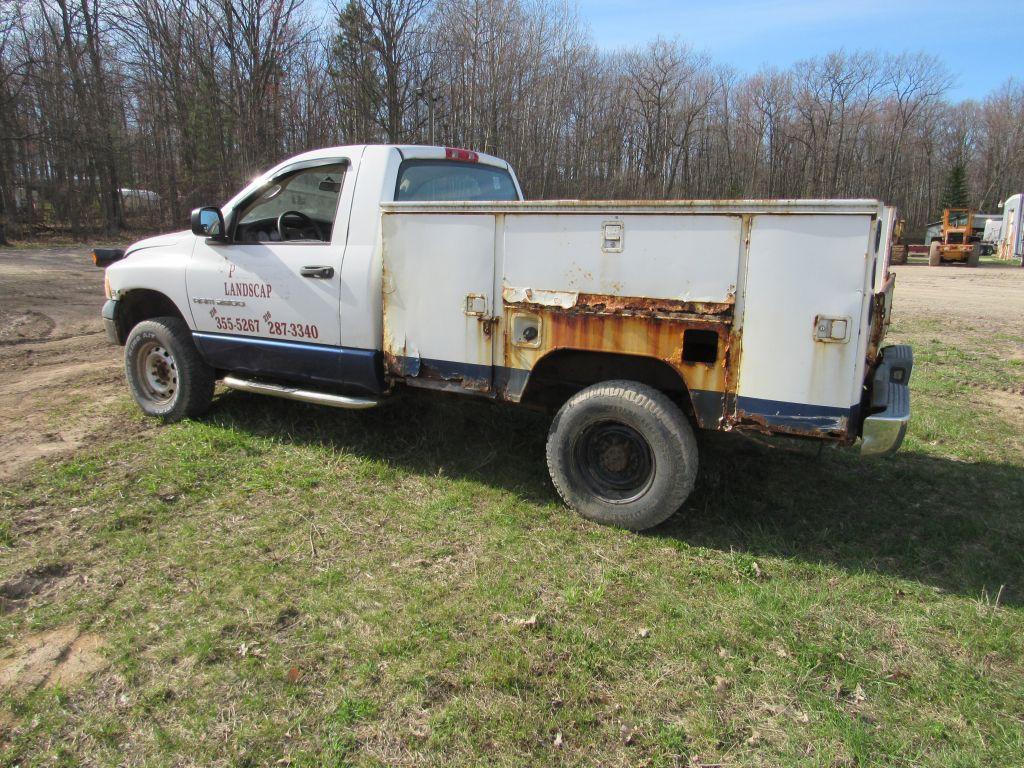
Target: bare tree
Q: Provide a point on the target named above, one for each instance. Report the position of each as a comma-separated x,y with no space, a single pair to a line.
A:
130,112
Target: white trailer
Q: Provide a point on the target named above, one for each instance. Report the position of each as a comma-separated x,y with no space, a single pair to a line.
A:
993,230
1011,236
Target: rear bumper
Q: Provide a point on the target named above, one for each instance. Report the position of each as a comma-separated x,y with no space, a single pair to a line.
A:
884,429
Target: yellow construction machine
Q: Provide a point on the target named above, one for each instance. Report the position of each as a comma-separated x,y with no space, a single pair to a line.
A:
957,243
898,254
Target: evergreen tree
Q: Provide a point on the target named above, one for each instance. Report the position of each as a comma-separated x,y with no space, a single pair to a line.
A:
356,73
954,191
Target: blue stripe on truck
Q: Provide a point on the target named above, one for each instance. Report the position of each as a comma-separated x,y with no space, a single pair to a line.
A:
710,408
364,369
294,361
799,417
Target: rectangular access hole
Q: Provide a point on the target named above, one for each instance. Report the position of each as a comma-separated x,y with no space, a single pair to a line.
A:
700,346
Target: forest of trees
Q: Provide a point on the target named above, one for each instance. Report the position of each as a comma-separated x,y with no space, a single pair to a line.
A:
127,113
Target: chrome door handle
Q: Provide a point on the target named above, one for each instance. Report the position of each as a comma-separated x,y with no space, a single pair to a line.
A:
321,272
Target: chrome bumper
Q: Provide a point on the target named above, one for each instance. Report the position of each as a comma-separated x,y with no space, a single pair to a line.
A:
886,426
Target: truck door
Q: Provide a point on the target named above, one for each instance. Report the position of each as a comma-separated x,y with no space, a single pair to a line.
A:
438,292
268,300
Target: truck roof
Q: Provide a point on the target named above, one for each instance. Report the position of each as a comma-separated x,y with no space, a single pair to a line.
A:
407,151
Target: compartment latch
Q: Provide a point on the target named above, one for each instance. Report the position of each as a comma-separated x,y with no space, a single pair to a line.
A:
612,234
831,330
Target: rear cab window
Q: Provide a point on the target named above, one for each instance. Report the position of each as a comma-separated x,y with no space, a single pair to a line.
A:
426,180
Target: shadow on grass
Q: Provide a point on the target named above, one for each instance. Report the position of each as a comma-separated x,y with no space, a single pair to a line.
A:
949,524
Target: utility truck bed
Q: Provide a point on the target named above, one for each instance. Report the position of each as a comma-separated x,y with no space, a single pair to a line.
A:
769,312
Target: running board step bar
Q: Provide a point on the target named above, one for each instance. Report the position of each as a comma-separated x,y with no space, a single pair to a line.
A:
302,395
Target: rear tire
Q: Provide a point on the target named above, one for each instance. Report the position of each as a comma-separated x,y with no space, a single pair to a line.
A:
621,453
167,377
974,258
934,255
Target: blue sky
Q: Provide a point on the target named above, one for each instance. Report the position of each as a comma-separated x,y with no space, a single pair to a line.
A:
982,43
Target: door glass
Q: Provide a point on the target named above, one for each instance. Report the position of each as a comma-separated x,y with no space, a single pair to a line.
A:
296,207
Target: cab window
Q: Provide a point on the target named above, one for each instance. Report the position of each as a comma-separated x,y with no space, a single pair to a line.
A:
296,207
424,180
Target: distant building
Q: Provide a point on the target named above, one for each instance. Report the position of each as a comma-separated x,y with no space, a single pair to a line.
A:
138,199
933,230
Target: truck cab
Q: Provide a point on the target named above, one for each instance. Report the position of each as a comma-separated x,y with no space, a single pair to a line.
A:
298,244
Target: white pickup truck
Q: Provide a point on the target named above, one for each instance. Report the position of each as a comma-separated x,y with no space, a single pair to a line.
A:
343,275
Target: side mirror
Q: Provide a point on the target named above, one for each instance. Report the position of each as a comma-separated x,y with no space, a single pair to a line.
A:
209,222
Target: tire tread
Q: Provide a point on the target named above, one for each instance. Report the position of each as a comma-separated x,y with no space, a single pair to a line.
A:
678,436
196,379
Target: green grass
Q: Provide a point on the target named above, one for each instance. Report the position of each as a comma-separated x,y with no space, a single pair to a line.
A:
281,584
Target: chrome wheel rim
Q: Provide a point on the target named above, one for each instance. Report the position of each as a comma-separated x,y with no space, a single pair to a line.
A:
156,372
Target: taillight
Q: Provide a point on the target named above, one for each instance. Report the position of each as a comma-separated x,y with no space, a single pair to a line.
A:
106,285
462,155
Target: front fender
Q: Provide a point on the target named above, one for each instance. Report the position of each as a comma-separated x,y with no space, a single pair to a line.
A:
156,269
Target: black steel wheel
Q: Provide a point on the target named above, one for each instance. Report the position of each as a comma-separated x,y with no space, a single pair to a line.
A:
614,460
622,453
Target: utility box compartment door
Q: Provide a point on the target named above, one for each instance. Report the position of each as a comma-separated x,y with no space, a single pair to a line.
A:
802,320
684,257
438,297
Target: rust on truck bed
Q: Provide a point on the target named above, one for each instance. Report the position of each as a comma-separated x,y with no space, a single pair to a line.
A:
648,328
640,306
833,428
626,325
881,304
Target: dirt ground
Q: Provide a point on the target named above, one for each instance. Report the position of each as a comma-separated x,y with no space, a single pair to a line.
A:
64,656
990,297
56,368
57,371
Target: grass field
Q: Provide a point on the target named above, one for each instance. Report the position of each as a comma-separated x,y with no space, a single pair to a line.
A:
285,585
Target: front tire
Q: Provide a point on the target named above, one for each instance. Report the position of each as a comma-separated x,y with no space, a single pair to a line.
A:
974,257
934,255
621,453
167,377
